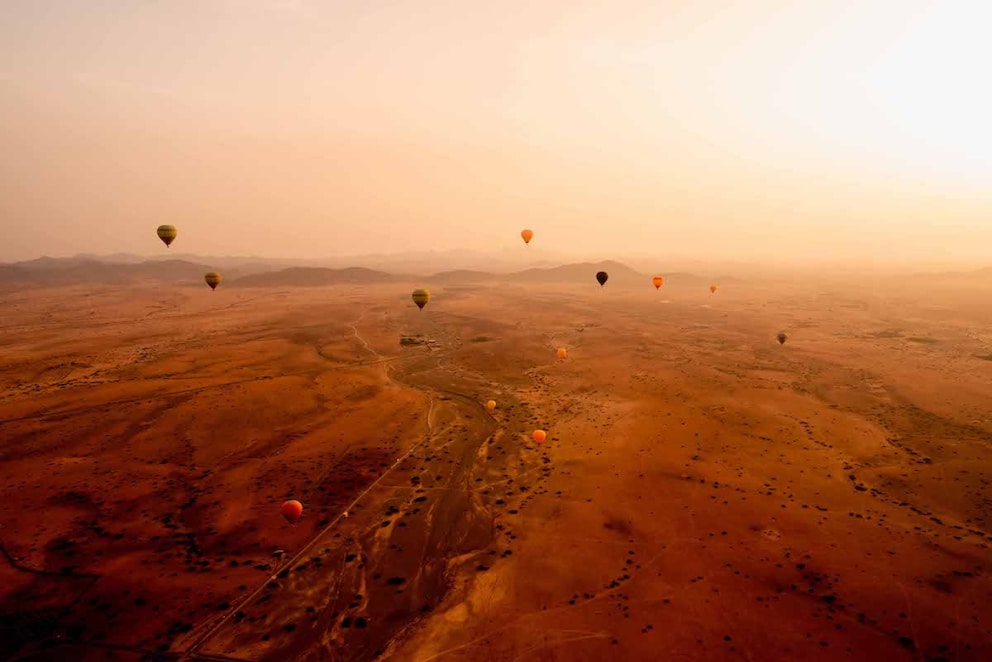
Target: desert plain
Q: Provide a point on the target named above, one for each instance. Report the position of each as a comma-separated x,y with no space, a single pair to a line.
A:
703,493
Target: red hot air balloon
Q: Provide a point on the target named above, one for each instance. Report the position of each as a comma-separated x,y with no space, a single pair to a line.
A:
292,510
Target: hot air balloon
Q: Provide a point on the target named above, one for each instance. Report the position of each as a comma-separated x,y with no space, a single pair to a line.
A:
712,289
490,405
292,510
213,279
527,235
601,276
539,435
781,337
657,280
421,297
562,352
167,233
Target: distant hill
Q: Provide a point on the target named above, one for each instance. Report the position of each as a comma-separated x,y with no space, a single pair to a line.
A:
315,277
460,276
85,269
580,272
70,271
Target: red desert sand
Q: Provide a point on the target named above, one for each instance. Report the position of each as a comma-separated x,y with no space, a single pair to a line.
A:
704,492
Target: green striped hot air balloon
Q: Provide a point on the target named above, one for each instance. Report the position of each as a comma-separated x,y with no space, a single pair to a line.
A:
167,233
213,279
420,297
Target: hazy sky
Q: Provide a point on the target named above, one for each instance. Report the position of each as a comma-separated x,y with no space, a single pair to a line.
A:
771,129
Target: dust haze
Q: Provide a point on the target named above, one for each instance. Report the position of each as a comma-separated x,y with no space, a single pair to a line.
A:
259,251
836,132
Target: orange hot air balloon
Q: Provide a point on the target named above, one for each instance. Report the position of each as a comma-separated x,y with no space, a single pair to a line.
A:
657,280
490,405
712,289
292,510
527,235
562,352
539,435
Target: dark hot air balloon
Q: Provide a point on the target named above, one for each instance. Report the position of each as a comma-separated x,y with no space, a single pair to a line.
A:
602,276
167,233
781,337
421,297
213,279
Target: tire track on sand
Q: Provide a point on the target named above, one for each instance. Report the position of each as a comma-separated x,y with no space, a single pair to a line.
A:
193,649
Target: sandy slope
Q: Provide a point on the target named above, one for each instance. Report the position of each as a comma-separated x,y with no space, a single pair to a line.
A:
703,494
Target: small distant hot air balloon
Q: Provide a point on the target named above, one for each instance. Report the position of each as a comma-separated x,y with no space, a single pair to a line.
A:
539,436
292,510
712,289
562,352
657,280
490,405
781,337
213,279
421,297
167,233
527,235
602,276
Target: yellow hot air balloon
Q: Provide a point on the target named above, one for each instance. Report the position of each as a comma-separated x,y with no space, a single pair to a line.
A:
527,235
213,279
657,280
712,289
420,297
562,352
539,435
491,405
167,233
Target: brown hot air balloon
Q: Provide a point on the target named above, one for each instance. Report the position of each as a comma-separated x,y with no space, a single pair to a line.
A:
539,435
601,277
292,510
781,337
562,352
527,235
712,289
490,405
213,279
657,280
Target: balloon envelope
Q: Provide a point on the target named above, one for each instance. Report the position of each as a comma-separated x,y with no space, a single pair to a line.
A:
539,435
527,235
781,337
712,289
601,276
292,510
213,279
491,405
562,352
421,297
657,280
167,233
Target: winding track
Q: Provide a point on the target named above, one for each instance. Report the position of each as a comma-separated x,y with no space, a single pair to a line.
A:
192,650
